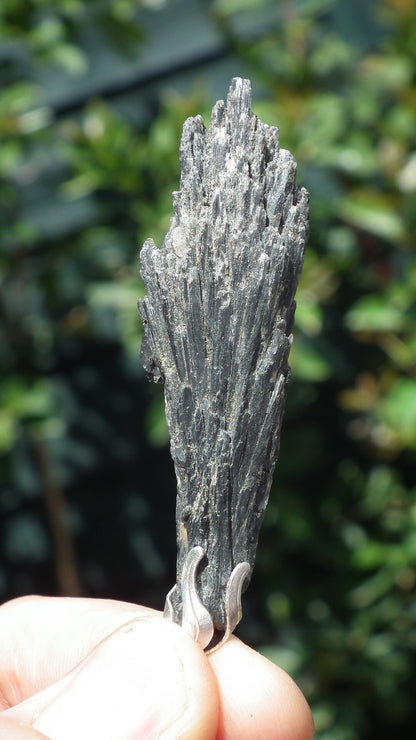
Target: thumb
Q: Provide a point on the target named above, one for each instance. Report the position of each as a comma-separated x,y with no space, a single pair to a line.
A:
147,680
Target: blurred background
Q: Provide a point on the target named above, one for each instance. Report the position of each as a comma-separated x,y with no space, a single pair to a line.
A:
93,97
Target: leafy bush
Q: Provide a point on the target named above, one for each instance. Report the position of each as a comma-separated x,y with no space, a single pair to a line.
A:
333,598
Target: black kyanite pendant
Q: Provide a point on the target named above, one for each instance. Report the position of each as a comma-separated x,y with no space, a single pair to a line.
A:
218,321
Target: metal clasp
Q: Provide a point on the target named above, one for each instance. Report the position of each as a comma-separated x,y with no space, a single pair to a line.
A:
196,619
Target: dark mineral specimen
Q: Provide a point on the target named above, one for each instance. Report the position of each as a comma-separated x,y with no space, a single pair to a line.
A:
218,318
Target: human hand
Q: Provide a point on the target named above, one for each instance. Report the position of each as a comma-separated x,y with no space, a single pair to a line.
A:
87,669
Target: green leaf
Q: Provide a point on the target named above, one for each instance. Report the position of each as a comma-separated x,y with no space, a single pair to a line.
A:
308,364
70,57
374,213
8,431
398,411
24,399
374,313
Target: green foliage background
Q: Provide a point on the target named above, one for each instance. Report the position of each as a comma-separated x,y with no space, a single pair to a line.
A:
87,487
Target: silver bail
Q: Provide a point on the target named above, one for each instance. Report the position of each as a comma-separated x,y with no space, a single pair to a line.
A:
196,619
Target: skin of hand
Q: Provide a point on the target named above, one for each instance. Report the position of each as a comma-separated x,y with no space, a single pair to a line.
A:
88,668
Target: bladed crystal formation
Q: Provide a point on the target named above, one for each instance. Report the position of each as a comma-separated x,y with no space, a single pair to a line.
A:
218,319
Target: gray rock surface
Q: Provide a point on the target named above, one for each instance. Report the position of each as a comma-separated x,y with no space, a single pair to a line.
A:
218,318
